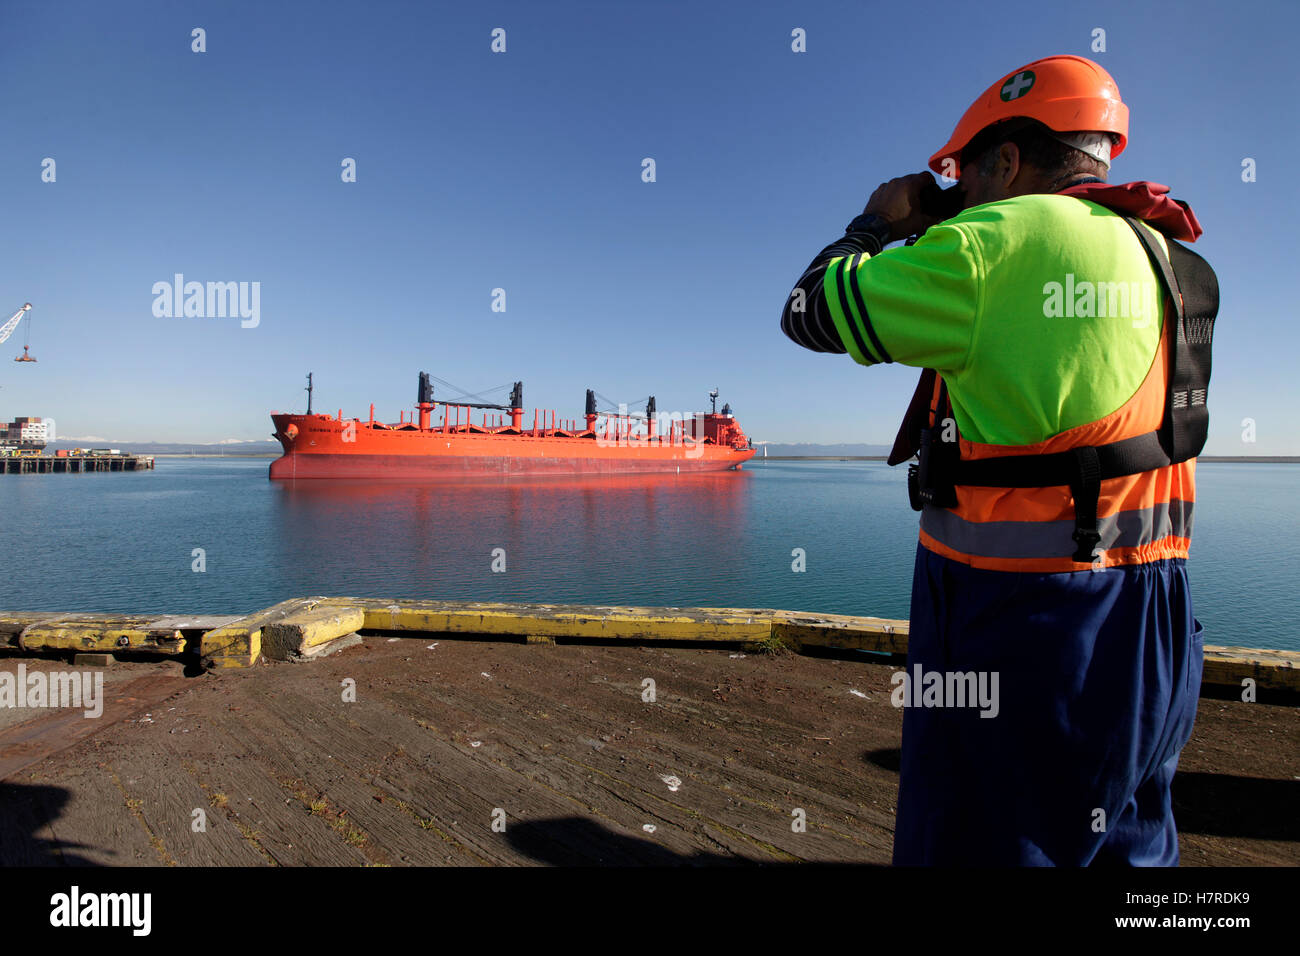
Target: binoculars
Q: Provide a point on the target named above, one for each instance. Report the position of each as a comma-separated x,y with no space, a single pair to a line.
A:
942,203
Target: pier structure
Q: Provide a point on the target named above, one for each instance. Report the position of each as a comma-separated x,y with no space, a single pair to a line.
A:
19,464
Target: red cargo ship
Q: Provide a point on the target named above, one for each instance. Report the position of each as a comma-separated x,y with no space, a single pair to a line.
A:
324,446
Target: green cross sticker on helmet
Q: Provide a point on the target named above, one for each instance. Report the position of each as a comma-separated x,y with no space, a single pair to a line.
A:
1018,85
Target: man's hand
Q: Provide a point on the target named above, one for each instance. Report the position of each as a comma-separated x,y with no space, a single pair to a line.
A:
898,202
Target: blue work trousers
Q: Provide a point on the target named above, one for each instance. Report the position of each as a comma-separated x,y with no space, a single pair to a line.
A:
1098,674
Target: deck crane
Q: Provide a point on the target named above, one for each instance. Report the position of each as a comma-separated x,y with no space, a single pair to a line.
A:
7,330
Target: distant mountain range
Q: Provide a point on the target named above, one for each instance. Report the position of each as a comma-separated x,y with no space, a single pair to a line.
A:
233,447
807,448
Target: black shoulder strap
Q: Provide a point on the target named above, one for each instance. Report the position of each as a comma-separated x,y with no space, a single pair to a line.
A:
1196,304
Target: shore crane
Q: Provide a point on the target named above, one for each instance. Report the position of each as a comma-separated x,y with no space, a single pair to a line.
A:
7,330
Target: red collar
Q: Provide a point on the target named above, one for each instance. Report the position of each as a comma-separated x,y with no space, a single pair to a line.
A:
1148,201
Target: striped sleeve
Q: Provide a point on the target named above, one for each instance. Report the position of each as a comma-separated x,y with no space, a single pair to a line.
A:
807,319
916,305
849,311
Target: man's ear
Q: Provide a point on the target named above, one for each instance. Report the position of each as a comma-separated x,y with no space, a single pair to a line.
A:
1008,168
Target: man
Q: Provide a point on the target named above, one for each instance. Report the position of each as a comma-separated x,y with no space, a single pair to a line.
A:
1057,424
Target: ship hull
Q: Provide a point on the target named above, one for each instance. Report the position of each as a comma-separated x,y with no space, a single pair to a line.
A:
296,466
325,447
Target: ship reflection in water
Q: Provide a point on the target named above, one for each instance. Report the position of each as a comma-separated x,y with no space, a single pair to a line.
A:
658,538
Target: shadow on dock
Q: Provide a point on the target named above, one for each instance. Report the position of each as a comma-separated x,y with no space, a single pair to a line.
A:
26,812
1214,804
577,841
890,759
1227,806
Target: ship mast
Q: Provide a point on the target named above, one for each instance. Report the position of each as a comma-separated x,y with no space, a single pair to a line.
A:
426,402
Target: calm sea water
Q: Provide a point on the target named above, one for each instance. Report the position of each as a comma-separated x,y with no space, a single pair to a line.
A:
126,542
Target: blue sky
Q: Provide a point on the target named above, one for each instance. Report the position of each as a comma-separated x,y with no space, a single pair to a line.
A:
522,171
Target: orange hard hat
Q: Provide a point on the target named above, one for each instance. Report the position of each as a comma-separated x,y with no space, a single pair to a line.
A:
1064,93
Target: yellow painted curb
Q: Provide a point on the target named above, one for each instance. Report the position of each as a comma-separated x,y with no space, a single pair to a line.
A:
46,632
797,630
232,646
565,620
298,626
239,643
1269,669
12,623
303,630
102,636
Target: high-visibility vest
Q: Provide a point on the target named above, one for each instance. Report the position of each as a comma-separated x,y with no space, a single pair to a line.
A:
1143,513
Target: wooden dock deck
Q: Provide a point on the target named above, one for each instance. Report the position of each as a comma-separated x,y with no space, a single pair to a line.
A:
411,748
